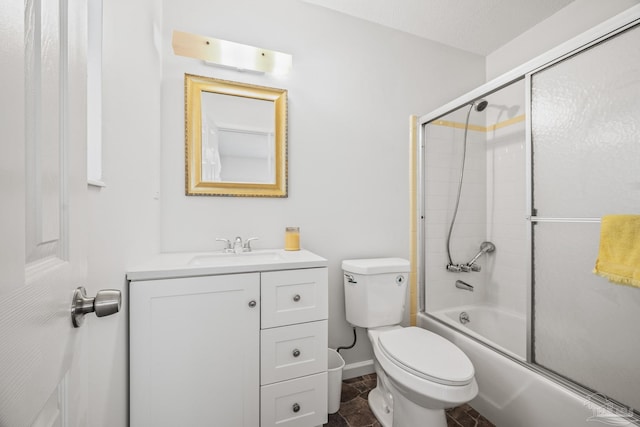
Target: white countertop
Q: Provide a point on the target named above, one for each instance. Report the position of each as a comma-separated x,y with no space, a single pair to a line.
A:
189,264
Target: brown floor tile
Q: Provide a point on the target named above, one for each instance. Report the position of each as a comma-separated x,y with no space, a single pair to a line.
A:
483,422
370,383
473,412
464,419
336,420
355,412
348,392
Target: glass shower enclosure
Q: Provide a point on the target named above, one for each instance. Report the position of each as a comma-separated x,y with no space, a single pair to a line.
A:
532,173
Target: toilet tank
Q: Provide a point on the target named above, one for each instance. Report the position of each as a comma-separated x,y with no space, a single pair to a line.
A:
375,291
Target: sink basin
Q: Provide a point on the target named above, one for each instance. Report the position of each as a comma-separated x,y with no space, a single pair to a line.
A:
222,258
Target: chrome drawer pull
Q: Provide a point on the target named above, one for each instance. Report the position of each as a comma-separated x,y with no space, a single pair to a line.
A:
296,297
296,407
252,303
296,353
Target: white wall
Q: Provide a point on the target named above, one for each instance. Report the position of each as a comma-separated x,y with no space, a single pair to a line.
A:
572,20
124,216
352,89
351,92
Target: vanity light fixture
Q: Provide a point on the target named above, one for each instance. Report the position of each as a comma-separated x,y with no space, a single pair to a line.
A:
230,54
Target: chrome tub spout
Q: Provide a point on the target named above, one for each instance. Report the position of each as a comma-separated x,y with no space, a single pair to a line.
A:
464,285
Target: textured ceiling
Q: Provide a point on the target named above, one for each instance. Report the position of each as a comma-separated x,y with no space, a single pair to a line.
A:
478,26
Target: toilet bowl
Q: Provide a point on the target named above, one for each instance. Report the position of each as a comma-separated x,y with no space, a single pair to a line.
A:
419,373
427,373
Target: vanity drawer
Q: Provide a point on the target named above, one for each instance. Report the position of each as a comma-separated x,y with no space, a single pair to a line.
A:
295,403
293,296
293,351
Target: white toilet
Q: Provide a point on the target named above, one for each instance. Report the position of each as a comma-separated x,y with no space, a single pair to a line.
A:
419,373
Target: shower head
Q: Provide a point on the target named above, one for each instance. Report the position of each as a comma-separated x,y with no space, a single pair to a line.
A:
487,247
480,104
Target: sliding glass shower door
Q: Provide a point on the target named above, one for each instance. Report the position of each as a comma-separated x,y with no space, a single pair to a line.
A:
585,152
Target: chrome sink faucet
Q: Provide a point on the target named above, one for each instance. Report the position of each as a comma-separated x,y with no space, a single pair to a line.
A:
237,247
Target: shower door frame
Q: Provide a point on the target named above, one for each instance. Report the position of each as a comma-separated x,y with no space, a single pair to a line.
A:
596,35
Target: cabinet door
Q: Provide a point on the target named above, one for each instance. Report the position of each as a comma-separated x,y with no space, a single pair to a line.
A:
194,350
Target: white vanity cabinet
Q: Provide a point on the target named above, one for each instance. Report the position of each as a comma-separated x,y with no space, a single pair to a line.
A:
243,348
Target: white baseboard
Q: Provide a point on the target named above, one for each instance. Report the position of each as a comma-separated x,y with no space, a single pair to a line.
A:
358,369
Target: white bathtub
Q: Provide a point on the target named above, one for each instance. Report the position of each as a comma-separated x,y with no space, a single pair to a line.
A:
512,394
504,330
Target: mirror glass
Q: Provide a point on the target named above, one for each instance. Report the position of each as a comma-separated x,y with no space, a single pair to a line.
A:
235,138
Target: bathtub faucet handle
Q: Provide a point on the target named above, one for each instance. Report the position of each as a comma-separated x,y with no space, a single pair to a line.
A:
474,267
455,268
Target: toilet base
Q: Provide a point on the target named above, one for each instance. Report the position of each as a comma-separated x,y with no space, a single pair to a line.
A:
409,414
405,413
392,409
398,411
382,412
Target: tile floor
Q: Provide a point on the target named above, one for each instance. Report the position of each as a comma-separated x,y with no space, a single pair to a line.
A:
354,408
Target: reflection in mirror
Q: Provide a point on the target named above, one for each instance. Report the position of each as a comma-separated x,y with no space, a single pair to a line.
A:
239,134
235,138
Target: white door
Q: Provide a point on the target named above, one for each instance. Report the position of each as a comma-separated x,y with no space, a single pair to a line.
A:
43,368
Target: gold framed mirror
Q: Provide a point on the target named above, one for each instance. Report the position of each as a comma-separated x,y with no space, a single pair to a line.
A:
235,138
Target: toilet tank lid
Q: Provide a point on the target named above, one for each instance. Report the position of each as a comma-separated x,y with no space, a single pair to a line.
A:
376,265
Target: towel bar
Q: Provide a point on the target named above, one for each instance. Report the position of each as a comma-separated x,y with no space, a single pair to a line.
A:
572,220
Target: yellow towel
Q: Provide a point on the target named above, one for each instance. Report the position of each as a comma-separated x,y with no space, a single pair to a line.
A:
619,254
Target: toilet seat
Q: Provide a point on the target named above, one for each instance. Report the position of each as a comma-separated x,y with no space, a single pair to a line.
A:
426,355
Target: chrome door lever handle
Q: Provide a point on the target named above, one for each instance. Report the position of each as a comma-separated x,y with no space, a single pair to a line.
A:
105,303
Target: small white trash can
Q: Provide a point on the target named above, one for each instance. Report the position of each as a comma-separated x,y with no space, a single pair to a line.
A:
335,364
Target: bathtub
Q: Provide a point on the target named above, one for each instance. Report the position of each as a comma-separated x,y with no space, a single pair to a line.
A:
504,330
512,393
